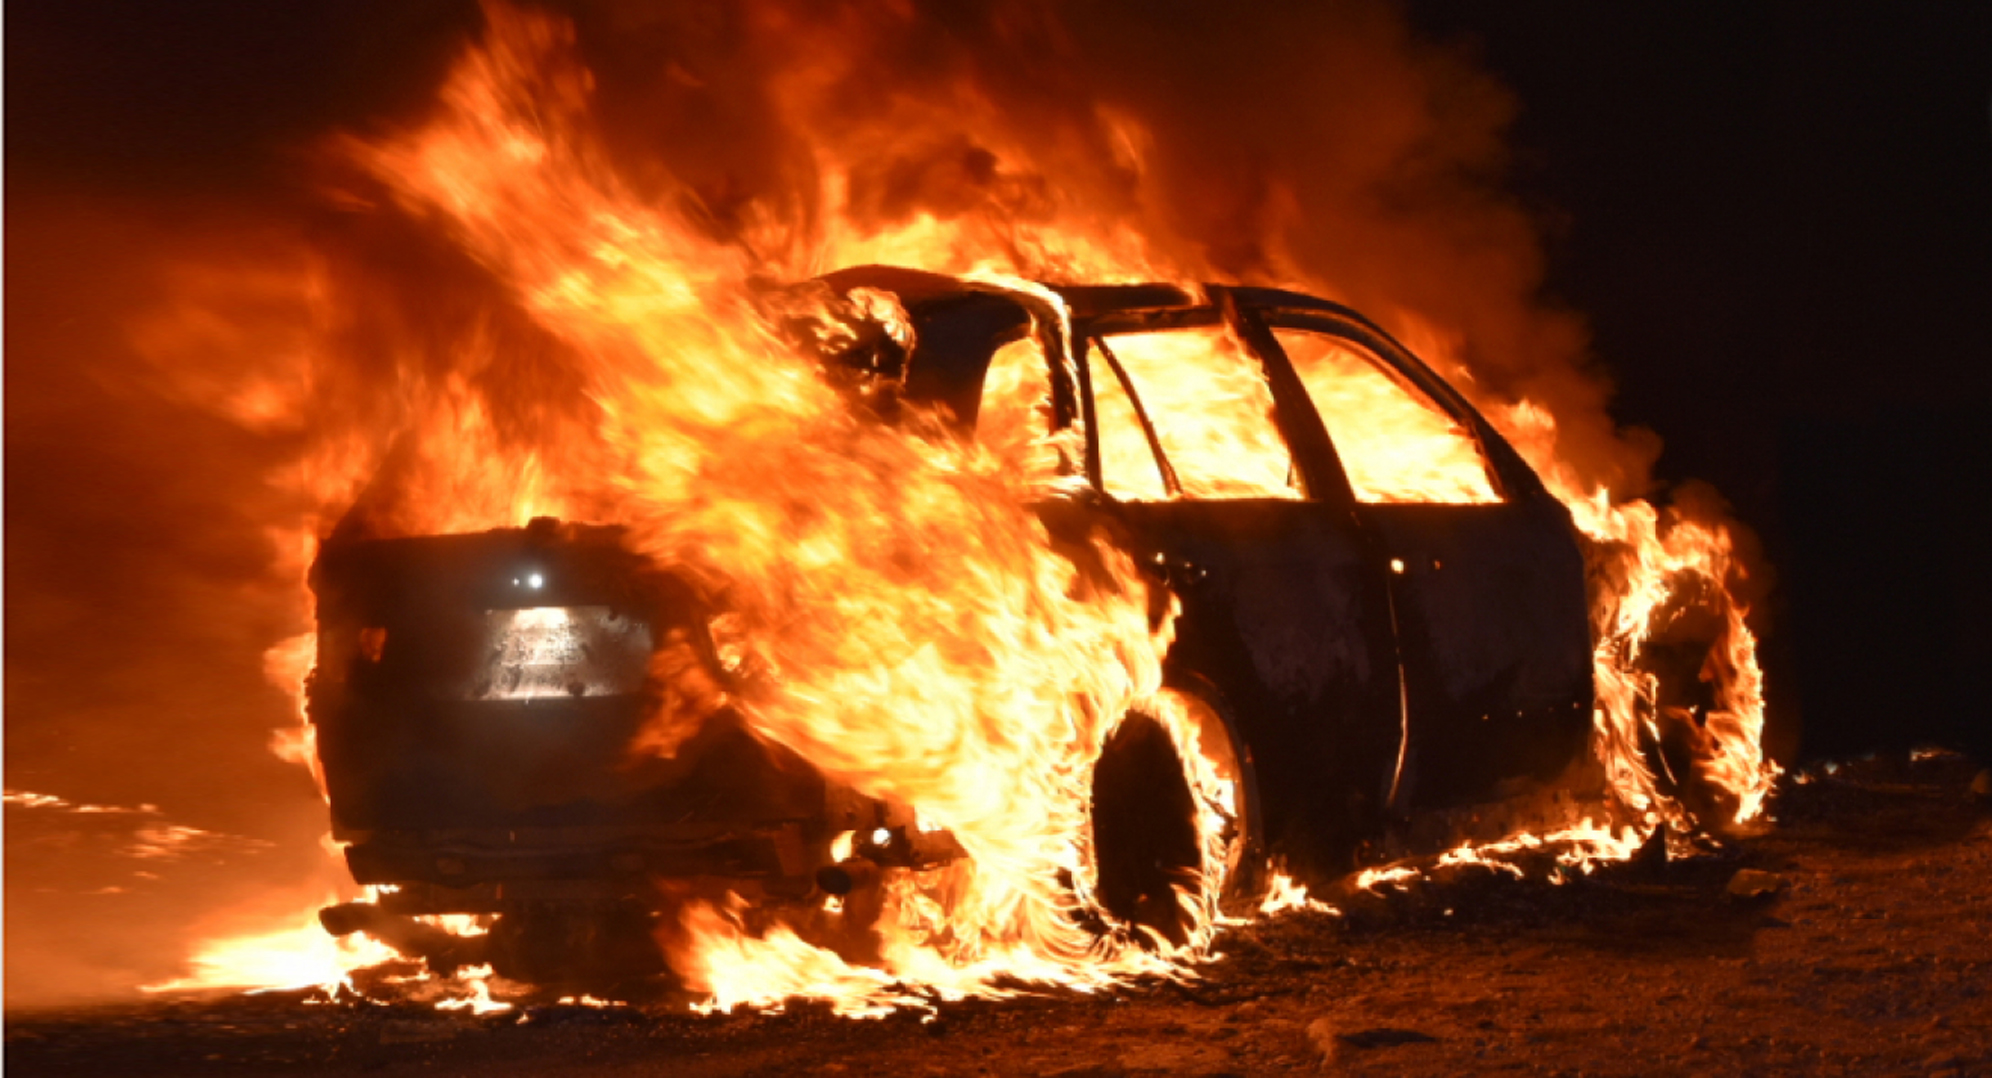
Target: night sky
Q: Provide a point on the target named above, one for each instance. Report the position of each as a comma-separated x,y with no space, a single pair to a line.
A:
1777,219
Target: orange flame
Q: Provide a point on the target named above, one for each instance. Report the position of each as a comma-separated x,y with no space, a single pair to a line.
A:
919,639
1657,567
300,955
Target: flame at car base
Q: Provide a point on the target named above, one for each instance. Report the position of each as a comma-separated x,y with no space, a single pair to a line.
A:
905,622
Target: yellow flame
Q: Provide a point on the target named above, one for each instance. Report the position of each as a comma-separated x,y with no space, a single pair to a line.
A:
299,956
1283,893
910,628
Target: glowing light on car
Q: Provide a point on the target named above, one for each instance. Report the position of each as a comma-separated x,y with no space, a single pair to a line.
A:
557,652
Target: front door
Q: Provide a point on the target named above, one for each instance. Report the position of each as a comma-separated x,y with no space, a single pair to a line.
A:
1486,577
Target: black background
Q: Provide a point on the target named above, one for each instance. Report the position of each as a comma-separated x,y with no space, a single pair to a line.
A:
1778,218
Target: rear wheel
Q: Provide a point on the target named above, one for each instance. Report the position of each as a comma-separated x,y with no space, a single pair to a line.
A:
1163,831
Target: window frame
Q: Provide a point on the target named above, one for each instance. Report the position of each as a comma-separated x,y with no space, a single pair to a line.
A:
1093,337
1252,314
1411,375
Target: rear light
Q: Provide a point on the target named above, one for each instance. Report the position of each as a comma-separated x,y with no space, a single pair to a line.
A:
552,652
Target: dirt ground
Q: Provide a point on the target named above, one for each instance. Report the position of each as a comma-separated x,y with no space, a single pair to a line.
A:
1871,953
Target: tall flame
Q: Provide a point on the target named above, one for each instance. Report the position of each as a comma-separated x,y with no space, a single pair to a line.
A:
584,346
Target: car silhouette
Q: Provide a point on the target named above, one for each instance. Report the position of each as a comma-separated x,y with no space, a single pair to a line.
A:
1380,617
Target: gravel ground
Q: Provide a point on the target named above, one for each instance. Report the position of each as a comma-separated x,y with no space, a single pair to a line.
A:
1870,952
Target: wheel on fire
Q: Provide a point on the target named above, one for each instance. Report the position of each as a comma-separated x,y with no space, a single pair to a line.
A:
1150,817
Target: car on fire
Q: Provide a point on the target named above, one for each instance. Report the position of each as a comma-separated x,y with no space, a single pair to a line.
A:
1364,639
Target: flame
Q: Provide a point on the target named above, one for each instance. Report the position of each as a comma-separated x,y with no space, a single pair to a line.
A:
29,799
286,665
1395,447
478,1001
1212,412
1649,570
301,955
1394,875
600,353
1581,847
1283,893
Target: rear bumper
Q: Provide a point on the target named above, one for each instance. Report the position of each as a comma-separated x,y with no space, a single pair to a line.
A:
464,860
493,871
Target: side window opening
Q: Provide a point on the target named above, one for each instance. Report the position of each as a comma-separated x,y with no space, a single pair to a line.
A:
1396,445
1014,422
1128,468
1209,409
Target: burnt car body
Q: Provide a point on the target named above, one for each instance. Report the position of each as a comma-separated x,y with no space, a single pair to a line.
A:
475,700
1368,659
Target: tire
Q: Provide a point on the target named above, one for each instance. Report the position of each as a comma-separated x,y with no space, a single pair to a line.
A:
1150,813
1241,842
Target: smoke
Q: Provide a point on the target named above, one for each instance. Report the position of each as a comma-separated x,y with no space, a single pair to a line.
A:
1316,145
211,342
141,593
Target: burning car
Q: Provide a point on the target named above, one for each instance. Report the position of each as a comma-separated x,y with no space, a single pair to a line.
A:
1363,634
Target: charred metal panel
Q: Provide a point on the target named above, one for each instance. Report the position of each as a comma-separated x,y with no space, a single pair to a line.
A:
1144,320
631,855
1285,612
1491,614
1494,635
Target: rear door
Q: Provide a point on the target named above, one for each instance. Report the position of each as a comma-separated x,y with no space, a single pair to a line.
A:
1202,459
